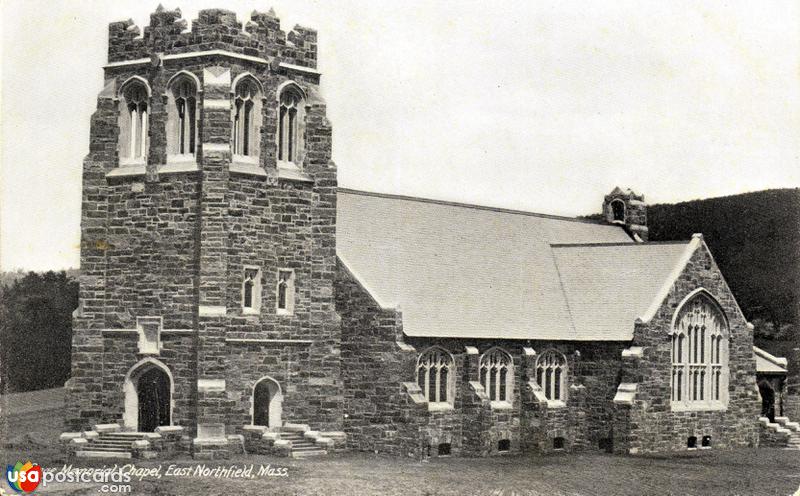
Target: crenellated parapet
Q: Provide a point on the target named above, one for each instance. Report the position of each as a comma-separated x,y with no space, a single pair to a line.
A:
214,29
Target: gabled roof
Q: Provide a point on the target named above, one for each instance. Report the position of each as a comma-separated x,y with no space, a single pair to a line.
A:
609,286
769,364
458,270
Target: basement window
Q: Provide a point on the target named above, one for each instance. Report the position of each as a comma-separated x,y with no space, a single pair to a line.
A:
444,449
691,443
558,443
706,442
504,445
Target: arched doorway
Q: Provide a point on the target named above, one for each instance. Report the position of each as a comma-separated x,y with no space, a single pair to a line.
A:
148,392
267,403
767,393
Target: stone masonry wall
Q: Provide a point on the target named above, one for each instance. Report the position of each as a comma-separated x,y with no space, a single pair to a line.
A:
379,414
652,424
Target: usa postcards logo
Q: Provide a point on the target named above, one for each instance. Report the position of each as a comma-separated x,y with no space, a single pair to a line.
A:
24,478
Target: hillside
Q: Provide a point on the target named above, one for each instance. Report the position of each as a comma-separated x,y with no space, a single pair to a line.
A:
755,239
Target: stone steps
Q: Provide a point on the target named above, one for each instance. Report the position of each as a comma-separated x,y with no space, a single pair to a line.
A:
309,453
117,445
302,447
121,455
784,427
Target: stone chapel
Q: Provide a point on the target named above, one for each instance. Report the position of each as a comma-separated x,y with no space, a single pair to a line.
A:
233,297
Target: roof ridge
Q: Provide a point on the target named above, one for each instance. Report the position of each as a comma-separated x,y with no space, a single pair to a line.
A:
471,205
618,243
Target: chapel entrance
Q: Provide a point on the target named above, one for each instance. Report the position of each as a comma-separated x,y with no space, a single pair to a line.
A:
767,393
267,403
153,393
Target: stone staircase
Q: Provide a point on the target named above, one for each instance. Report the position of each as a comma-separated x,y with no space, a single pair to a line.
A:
793,443
109,441
302,447
783,433
292,440
111,445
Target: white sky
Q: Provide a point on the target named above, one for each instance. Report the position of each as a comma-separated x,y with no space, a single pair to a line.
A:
542,106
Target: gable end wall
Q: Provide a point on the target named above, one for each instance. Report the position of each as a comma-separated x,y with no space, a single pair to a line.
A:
652,425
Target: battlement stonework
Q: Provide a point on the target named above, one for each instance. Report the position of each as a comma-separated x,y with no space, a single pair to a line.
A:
214,29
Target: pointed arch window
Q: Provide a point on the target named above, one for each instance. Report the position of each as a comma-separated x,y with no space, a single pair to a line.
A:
182,119
291,115
699,348
285,292
497,375
551,375
435,376
246,120
133,122
251,290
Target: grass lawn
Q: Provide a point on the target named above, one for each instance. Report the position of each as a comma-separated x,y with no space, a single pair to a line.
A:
744,472
702,473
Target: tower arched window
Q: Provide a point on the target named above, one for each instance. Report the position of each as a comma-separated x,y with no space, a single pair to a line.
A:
699,349
497,375
551,375
182,118
251,290
291,115
435,376
133,122
246,120
618,210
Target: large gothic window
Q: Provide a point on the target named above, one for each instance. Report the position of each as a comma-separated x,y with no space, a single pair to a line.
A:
291,113
699,342
246,120
182,118
551,375
435,376
133,122
497,375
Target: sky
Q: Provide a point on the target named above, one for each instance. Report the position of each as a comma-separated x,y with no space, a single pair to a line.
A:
532,105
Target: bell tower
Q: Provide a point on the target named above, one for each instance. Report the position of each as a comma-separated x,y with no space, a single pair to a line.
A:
626,208
208,247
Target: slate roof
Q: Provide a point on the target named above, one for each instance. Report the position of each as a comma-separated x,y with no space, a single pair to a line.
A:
458,270
608,286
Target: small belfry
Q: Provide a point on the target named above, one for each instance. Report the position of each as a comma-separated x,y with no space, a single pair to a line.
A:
624,207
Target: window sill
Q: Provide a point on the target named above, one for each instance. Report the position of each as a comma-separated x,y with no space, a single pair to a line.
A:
293,174
181,158
132,162
502,405
556,404
127,171
440,407
251,311
172,166
246,159
699,407
247,168
284,312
